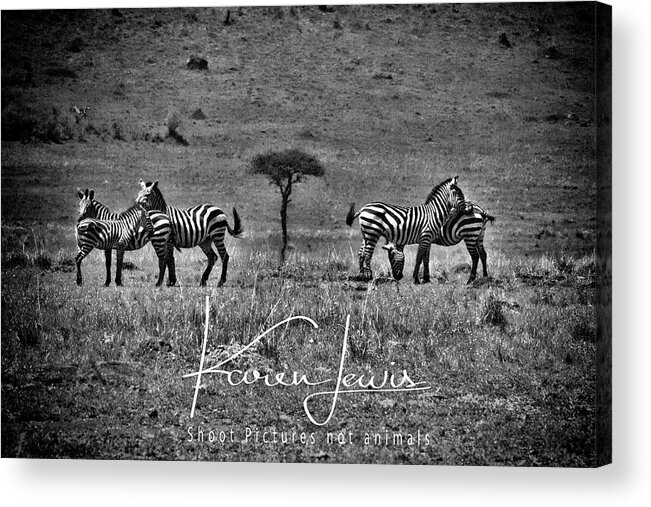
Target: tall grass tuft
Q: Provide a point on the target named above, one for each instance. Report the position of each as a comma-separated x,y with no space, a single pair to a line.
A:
492,311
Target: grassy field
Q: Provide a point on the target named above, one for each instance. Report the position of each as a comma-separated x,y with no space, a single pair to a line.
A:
392,100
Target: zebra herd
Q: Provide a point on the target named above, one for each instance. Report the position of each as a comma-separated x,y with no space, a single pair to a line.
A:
445,219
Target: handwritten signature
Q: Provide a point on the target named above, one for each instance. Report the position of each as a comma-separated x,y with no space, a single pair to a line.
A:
348,383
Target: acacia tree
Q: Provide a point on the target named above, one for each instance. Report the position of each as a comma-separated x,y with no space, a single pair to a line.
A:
284,169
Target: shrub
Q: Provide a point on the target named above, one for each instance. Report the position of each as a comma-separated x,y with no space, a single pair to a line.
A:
492,312
61,72
173,123
20,123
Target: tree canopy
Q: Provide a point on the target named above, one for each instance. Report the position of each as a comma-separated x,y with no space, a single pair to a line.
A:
289,166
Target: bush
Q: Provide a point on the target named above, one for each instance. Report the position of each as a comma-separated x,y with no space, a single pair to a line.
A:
23,124
492,312
61,72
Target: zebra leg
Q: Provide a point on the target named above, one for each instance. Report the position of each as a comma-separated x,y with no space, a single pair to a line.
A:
482,255
206,246
423,252
221,248
472,250
369,248
426,278
80,257
107,255
118,267
360,258
171,268
160,246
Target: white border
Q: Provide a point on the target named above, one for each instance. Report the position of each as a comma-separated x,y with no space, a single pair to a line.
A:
52,482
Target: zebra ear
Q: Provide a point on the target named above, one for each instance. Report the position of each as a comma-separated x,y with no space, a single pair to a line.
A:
142,185
455,179
91,194
80,193
155,184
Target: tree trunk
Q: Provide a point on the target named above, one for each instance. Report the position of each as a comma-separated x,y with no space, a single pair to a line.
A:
283,224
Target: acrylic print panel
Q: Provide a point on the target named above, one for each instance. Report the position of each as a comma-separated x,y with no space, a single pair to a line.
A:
278,118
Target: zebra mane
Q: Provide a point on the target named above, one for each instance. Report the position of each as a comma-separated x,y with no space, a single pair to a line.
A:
102,212
134,210
157,194
102,209
441,187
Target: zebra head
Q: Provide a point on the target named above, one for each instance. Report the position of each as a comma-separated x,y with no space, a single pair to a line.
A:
457,201
86,204
396,259
150,197
448,197
145,220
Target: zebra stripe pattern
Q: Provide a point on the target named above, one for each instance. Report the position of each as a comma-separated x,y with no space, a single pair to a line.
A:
469,226
404,225
204,226
135,235
396,259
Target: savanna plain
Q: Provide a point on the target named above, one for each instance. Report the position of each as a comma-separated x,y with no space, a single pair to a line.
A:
391,100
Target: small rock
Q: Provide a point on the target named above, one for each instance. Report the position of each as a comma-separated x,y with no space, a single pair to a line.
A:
553,54
197,63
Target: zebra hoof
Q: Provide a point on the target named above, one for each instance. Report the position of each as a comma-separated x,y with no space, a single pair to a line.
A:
426,280
79,283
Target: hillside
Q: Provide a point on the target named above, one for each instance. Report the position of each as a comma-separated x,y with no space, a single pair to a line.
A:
392,99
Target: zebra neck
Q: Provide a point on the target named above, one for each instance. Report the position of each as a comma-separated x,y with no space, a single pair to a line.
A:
103,213
132,212
159,203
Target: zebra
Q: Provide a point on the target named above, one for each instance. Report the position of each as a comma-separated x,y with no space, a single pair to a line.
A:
160,237
467,224
404,225
204,226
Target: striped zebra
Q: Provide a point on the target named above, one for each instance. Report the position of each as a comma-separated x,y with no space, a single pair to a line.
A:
134,235
404,225
467,224
204,226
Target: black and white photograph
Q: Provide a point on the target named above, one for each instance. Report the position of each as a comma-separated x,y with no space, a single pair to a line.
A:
310,234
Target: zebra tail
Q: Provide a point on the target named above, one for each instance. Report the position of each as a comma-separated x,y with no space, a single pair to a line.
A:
351,216
237,229
488,216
